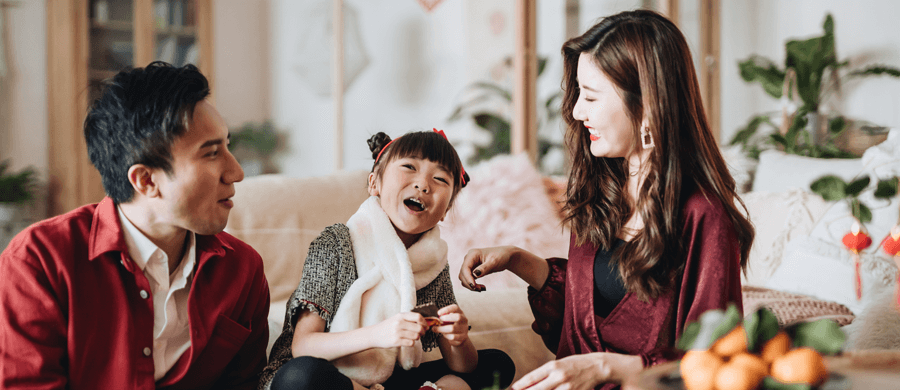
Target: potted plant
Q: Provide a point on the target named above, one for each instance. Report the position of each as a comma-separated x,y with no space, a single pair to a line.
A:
811,74
253,144
16,190
488,105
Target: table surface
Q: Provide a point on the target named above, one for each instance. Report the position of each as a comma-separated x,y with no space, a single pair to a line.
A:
854,370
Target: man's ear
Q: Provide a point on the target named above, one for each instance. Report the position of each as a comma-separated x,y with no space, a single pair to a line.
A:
373,185
141,178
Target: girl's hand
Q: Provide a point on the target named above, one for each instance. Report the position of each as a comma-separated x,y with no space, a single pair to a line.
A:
484,261
456,325
400,330
581,372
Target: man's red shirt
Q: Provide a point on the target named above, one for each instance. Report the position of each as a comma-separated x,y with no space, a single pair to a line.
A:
76,312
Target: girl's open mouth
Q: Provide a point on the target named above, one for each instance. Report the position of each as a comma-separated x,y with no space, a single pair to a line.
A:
414,204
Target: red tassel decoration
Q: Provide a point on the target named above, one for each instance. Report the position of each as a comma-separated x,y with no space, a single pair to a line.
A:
891,246
857,240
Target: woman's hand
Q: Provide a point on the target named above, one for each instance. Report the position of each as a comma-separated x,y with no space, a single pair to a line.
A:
581,372
485,261
400,330
456,325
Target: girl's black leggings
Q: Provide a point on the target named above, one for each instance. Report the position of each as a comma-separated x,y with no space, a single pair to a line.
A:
308,372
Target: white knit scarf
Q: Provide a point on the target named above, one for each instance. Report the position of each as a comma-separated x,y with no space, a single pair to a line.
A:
389,276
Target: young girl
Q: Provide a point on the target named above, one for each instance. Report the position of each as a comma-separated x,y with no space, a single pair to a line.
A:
350,324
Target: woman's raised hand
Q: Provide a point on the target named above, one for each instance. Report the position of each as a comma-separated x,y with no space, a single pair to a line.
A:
484,261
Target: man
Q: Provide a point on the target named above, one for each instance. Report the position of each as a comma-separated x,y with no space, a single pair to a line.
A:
142,290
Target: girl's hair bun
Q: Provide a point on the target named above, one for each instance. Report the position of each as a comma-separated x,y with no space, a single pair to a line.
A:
378,142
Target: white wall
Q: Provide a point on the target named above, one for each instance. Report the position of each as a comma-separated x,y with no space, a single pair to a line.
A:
241,44
23,91
866,32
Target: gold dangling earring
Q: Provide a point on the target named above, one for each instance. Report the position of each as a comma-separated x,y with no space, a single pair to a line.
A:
646,138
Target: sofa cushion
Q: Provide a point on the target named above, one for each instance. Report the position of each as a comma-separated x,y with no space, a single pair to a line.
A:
777,217
280,216
506,203
793,308
779,171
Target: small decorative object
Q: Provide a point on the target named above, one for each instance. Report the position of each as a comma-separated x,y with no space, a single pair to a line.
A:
891,245
857,240
429,5
833,188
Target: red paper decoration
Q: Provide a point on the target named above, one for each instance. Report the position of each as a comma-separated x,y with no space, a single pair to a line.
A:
857,240
429,5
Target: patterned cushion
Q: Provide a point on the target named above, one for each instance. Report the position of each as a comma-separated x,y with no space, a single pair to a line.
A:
792,308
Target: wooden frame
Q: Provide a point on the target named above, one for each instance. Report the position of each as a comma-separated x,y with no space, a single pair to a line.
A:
524,124
73,181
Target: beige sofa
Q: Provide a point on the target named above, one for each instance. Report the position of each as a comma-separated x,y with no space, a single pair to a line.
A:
279,216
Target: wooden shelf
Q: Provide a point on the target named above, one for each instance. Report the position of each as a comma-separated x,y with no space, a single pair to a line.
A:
74,38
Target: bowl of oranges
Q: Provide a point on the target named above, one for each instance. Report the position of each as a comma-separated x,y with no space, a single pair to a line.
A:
726,352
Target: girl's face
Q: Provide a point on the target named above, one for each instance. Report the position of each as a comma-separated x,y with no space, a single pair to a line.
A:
602,111
414,193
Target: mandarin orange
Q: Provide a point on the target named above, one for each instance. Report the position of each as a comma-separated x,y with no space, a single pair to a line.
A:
698,369
801,365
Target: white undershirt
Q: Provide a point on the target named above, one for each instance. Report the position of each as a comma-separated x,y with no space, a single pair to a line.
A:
171,333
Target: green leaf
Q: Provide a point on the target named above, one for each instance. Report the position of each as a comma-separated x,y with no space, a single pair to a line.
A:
688,336
886,188
810,58
857,186
860,211
830,188
761,69
876,70
837,125
712,325
744,134
779,139
541,65
823,335
490,122
770,383
760,326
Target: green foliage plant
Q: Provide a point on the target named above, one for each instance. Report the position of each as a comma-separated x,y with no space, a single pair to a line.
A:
259,138
833,188
16,187
496,122
819,73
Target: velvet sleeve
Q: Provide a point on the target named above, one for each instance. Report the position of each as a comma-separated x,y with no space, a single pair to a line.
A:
712,271
548,304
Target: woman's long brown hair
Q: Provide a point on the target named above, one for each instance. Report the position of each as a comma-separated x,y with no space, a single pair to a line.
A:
647,58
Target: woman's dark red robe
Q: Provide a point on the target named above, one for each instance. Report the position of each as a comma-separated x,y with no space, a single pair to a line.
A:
564,307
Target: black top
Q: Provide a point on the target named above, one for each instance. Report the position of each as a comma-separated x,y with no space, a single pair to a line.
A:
608,286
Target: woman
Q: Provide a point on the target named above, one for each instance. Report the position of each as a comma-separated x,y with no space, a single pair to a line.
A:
657,238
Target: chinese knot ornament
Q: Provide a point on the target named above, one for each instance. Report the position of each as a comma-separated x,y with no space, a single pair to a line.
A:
857,240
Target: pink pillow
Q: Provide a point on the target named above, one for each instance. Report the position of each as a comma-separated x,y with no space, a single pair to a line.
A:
506,203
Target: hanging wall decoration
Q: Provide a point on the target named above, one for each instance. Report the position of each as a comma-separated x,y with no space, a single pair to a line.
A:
429,5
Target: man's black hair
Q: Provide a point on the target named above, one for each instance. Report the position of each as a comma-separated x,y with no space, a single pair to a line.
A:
137,118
